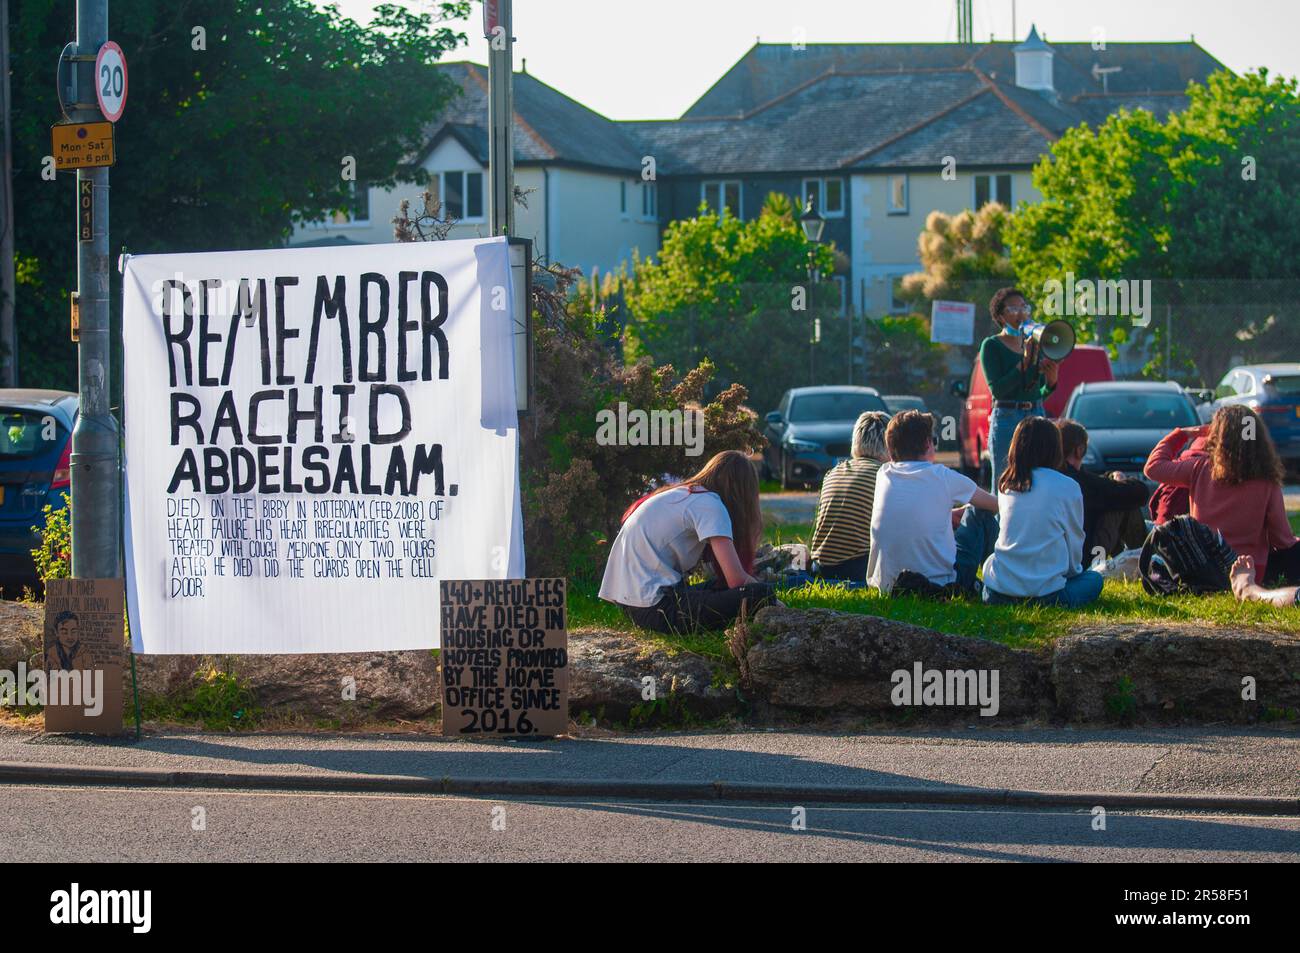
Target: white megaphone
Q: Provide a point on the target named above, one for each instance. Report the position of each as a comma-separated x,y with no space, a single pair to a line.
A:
1055,339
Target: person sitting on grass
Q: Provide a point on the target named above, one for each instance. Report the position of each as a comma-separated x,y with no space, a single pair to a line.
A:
1236,488
1112,504
918,542
1246,589
1168,500
841,536
663,536
1040,536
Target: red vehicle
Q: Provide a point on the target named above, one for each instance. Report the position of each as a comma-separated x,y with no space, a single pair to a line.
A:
1086,363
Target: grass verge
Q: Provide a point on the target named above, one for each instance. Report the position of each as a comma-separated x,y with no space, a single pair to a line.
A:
1018,626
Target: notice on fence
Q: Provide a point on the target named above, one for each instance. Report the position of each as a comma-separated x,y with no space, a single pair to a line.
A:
505,657
84,656
314,438
952,322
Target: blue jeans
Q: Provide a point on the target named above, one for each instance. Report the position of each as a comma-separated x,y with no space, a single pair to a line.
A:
854,570
975,535
1078,591
1002,426
798,577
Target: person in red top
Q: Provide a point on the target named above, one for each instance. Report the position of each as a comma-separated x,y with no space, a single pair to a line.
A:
1236,487
1169,501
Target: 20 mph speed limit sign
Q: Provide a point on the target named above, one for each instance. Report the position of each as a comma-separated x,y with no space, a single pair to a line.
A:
110,81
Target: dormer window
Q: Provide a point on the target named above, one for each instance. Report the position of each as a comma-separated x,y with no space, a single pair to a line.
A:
1034,64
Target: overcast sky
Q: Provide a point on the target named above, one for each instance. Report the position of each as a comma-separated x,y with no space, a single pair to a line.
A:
637,59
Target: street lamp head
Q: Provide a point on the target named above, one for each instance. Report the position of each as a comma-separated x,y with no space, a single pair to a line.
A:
811,222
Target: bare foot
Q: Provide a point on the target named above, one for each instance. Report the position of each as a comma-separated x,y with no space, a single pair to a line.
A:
1242,576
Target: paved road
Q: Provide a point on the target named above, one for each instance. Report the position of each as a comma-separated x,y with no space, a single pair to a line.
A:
64,824
1240,761
784,509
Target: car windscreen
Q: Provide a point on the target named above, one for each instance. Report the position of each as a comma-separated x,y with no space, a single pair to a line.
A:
1134,410
1287,385
899,404
832,406
26,433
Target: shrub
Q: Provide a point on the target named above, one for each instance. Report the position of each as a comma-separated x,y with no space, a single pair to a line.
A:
53,557
218,700
576,489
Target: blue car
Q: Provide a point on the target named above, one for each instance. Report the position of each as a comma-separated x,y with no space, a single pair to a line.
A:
35,470
812,430
1273,390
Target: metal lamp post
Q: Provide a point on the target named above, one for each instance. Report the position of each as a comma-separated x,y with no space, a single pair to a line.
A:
812,224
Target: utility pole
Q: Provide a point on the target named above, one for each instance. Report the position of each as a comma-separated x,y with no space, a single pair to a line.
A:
96,473
497,27
8,286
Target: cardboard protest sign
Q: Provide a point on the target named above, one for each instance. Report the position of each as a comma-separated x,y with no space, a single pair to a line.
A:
314,437
505,657
84,655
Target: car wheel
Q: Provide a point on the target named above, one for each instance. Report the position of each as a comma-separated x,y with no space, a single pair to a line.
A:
786,482
985,478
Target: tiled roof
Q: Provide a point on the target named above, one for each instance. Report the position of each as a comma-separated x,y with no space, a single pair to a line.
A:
768,70
549,126
843,106
819,127
981,132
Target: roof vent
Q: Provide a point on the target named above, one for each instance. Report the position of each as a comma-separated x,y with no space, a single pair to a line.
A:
1034,64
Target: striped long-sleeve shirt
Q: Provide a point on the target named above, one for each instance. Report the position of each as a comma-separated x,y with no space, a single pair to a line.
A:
843,527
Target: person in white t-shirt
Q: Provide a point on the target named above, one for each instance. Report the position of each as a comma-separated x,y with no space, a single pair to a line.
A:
915,530
1041,533
664,534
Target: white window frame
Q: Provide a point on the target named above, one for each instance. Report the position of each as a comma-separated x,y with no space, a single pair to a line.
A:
649,195
822,209
721,185
843,282
993,188
907,194
441,176
895,308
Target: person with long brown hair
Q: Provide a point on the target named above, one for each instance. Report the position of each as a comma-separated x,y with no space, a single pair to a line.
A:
1040,526
1236,488
713,513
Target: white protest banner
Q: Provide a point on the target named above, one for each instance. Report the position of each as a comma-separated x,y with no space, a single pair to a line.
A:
952,322
315,437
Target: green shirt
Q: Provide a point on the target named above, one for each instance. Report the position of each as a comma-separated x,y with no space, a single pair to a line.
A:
1006,379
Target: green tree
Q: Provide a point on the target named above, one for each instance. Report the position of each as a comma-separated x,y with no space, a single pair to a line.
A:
574,482
901,358
1203,204
735,293
240,116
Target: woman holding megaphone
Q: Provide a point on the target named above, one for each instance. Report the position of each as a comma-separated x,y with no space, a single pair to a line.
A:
1017,371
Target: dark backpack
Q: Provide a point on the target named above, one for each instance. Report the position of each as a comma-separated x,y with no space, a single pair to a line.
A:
1184,555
